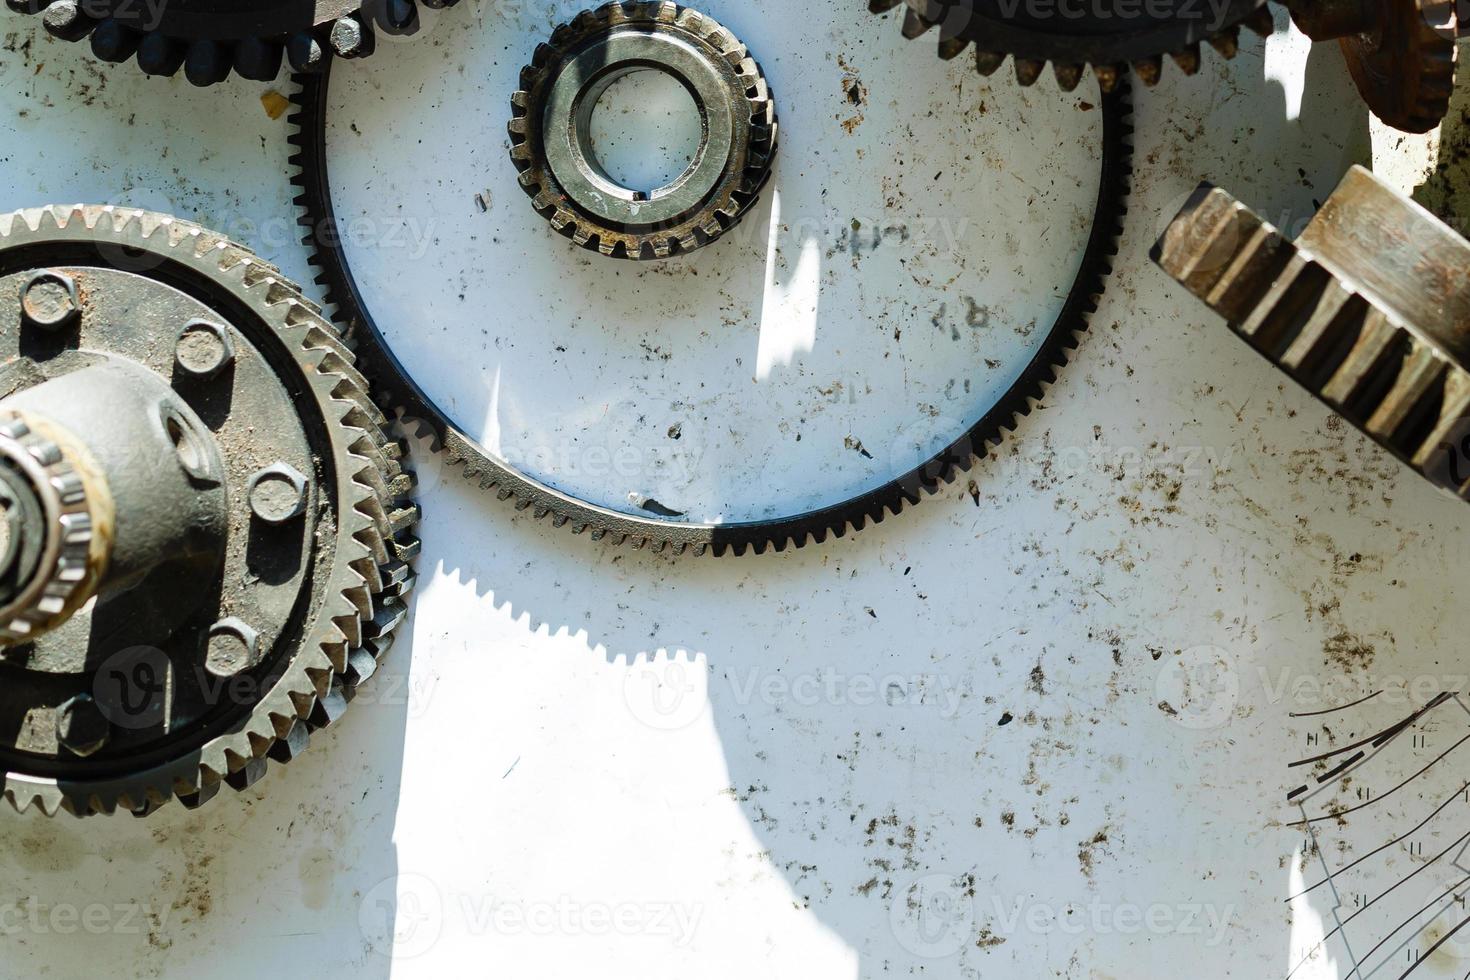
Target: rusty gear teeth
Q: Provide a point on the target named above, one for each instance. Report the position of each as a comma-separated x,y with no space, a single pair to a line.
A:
1402,54
395,388
365,575
1366,311
997,36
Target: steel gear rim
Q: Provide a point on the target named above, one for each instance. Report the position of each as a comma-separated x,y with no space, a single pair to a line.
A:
397,390
725,200
997,38
209,39
369,576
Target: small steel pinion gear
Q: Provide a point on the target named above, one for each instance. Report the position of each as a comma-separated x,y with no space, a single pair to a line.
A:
1402,53
1109,35
1367,310
551,141
205,533
211,38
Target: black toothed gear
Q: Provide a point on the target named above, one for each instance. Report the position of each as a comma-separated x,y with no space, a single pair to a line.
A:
400,393
212,39
1112,36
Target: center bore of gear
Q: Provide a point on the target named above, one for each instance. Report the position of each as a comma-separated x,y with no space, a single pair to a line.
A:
551,141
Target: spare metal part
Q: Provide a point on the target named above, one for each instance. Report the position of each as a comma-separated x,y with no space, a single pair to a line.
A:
396,389
551,140
205,533
1368,310
211,38
1401,53
1109,35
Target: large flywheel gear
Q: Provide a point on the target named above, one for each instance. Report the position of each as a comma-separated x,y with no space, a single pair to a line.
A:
1070,35
400,392
205,533
211,38
1367,309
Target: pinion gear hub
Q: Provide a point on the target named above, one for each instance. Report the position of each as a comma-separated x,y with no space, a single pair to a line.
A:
163,631
552,148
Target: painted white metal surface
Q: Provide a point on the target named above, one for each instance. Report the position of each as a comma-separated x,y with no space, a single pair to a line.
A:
1039,732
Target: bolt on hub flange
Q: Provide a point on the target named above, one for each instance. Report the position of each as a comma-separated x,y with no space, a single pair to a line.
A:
159,637
49,301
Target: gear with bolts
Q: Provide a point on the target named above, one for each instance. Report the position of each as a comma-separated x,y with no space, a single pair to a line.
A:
401,393
205,533
1367,310
211,38
1109,35
551,142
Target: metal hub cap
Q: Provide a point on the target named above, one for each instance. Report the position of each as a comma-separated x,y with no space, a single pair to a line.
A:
552,143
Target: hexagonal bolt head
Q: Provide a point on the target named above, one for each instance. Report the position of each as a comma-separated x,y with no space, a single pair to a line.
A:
80,725
278,493
204,349
49,301
234,646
